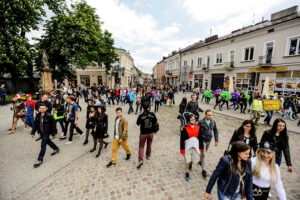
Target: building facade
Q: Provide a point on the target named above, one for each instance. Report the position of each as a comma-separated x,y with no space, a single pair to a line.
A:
270,48
123,72
160,69
154,72
172,68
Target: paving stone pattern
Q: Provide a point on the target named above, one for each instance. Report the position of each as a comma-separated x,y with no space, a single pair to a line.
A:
75,173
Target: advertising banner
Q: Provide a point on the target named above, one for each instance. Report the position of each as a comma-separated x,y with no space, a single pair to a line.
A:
271,105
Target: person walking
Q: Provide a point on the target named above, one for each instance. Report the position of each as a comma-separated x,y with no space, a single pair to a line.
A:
171,97
138,102
277,136
85,93
120,137
182,107
131,97
245,133
45,124
89,125
207,126
269,116
257,108
193,107
233,174
30,104
157,99
72,117
100,129
3,94
58,114
191,143
146,121
19,113
265,172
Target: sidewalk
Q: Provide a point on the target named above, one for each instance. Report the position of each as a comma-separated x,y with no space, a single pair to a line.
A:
291,125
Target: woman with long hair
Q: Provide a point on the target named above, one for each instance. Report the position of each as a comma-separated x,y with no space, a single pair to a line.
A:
90,115
233,174
19,113
100,129
246,133
58,113
277,136
265,172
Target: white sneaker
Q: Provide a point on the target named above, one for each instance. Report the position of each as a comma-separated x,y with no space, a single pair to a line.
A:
68,142
62,134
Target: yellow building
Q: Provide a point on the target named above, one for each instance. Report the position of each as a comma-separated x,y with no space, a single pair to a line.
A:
123,72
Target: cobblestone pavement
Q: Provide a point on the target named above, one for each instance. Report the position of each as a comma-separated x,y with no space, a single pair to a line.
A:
77,174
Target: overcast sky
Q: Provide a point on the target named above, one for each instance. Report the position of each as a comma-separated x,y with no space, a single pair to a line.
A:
150,29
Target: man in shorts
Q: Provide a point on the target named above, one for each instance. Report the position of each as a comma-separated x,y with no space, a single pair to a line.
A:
191,143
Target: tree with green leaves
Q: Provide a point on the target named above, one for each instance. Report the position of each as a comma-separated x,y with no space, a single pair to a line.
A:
74,39
18,17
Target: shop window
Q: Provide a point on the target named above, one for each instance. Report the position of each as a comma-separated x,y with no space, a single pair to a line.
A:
85,80
248,75
283,74
248,53
240,75
296,74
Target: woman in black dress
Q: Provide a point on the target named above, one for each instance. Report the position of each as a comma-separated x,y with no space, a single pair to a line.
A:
246,133
100,129
90,114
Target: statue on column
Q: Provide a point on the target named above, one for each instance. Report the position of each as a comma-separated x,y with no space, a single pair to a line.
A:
46,72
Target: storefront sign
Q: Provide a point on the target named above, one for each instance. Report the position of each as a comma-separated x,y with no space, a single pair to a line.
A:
287,85
198,76
227,63
271,105
268,69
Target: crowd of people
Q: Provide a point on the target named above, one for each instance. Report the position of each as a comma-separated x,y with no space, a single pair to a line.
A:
247,169
241,100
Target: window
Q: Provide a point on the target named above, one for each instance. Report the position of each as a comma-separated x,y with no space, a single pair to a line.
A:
208,62
232,53
294,46
199,62
99,80
219,58
249,52
185,63
192,63
269,52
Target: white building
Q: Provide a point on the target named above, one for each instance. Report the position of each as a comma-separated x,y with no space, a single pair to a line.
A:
269,48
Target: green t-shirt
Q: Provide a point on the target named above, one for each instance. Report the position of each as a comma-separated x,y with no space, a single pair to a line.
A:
207,122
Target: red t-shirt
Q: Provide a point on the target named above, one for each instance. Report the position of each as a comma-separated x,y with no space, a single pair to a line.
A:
32,104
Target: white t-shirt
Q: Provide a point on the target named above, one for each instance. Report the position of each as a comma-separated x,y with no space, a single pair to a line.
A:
265,179
117,129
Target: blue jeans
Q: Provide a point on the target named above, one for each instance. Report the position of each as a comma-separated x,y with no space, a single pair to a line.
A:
137,108
2,101
181,122
130,107
45,140
223,197
268,117
61,122
278,161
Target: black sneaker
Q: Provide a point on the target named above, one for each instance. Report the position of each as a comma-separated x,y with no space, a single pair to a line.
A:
128,157
105,145
55,152
110,164
85,142
139,166
36,165
98,154
204,174
92,150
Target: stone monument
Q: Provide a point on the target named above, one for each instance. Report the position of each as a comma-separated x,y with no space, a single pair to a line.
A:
47,84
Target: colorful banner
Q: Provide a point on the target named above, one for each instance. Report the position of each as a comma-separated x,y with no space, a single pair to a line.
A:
227,63
271,105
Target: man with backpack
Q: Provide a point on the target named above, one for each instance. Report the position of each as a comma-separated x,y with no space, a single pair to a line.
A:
148,126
